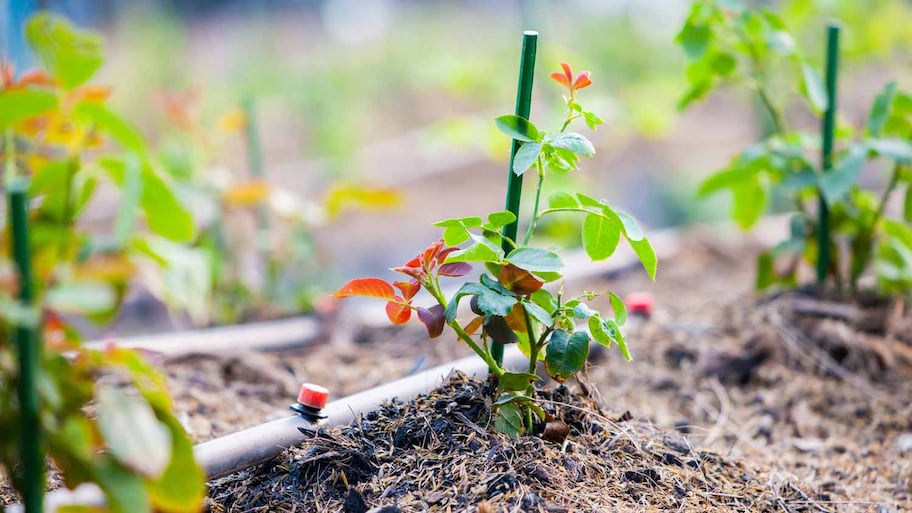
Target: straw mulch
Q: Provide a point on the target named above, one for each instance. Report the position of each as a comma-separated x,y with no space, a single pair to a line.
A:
437,453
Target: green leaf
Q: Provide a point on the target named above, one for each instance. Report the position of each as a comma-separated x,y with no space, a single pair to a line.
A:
130,199
901,232
123,489
647,256
592,120
503,218
538,313
509,420
725,179
620,309
165,214
766,273
534,259
83,298
544,299
723,63
694,39
481,251
582,310
600,236
896,149
606,331
812,88
574,142
749,201
118,128
880,110
838,181
566,354
490,302
526,156
19,105
631,229
515,381
72,56
562,200
181,489
518,128
133,433
907,205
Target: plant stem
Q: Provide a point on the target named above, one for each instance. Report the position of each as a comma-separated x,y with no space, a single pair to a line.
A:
538,189
493,365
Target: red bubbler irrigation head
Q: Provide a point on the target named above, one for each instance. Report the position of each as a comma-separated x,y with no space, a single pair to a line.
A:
640,304
311,401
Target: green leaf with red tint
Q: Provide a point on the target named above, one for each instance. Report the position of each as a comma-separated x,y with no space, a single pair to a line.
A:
398,311
408,288
455,269
366,287
433,320
518,280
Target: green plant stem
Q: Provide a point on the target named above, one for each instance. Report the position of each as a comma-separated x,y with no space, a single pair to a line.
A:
493,365
538,189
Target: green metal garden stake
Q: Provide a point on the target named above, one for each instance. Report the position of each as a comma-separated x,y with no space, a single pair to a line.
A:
514,182
829,124
28,346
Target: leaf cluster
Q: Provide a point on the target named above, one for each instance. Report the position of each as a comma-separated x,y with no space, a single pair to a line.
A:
60,136
509,300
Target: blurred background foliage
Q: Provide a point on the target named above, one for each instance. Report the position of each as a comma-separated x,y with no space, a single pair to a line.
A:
398,94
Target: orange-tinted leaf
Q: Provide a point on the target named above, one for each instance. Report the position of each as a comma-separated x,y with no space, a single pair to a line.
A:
433,320
94,94
36,77
516,320
561,79
473,325
582,80
429,254
7,70
247,194
518,280
408,288
367,287
398,312
413,271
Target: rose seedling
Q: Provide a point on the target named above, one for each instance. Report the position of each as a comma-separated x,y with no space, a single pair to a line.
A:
511,301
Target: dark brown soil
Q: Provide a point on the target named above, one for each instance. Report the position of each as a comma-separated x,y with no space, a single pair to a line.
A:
438,453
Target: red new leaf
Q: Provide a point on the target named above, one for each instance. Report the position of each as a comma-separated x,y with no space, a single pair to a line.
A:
367,287
408,288
433,319
398,312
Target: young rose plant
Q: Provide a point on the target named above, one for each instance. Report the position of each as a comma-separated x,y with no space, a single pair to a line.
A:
726,42
510,301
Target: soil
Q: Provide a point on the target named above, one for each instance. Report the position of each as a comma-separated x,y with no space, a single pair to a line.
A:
792,402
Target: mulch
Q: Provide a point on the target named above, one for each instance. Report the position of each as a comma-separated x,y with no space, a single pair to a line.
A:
438,453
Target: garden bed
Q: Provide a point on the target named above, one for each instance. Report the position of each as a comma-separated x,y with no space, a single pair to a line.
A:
711,369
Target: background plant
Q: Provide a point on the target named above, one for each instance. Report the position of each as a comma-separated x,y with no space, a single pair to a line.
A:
509,300
105,416
726,42
257,238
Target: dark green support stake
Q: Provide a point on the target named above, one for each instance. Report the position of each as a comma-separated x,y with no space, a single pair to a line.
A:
824,244
28,347
514,182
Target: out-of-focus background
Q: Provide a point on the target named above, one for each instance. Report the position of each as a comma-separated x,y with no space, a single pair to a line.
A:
399,96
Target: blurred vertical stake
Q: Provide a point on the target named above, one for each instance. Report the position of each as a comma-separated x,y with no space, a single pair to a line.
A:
829,126
28,347
514,182
258,173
